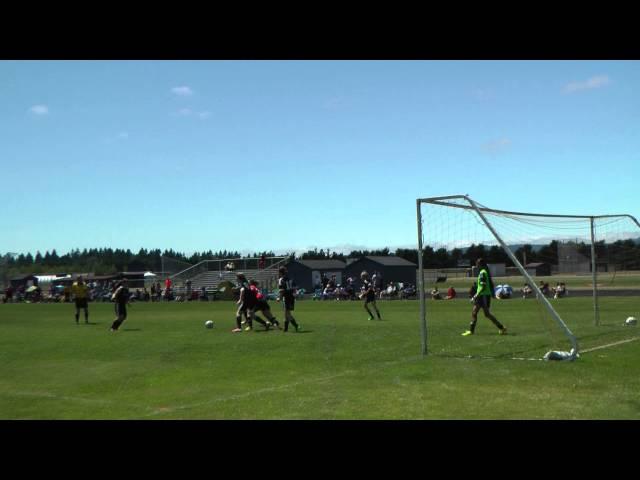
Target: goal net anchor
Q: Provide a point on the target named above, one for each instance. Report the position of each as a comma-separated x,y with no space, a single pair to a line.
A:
561,355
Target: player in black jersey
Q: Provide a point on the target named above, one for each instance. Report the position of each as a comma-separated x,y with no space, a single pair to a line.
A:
121,297
369,295
286,294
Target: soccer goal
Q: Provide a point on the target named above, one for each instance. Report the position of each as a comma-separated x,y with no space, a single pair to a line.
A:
559,280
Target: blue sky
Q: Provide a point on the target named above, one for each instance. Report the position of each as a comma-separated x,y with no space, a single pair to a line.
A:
291,155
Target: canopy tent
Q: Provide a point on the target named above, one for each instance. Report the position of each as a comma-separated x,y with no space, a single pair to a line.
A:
52,278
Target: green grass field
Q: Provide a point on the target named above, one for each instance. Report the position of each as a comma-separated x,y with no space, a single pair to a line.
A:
164,364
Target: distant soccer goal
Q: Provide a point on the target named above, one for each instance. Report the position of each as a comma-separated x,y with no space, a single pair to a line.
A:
537,262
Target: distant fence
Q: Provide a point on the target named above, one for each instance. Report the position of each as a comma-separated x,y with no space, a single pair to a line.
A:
223,265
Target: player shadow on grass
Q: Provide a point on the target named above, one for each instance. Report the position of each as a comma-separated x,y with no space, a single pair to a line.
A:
130,329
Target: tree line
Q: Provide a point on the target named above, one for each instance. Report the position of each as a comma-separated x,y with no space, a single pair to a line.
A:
625,254
104,261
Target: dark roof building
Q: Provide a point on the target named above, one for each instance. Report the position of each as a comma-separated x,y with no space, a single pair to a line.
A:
24,281
308,273
391,268
538,269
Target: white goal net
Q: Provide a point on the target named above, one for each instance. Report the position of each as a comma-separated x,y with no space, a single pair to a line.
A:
563,283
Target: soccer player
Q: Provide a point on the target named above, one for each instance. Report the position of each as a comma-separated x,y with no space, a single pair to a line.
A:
451,293
261,305
482,299
80,291
526,290
246,304
121,297
369,295
286,293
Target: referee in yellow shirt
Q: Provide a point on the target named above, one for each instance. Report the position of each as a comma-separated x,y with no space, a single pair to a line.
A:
80,292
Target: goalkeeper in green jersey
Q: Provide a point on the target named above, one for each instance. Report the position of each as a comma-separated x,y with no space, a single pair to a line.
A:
482,299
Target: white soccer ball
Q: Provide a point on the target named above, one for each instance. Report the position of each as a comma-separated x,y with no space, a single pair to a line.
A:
208,324
631,321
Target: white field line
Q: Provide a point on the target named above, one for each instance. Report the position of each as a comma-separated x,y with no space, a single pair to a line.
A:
163,410
527,359
587,350
483,357
53,396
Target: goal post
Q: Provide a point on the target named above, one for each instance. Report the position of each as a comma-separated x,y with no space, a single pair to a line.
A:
456,225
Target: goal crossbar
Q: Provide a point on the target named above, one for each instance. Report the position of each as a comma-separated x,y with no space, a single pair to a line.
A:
440,201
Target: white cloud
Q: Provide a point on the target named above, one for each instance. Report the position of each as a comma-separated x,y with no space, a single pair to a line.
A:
593,82
496,146
183,91
39,110
187,112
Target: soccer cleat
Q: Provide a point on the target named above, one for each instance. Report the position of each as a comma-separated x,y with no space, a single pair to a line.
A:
243,322
235,330
370,318
467,333
248,329
298,328
502,331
